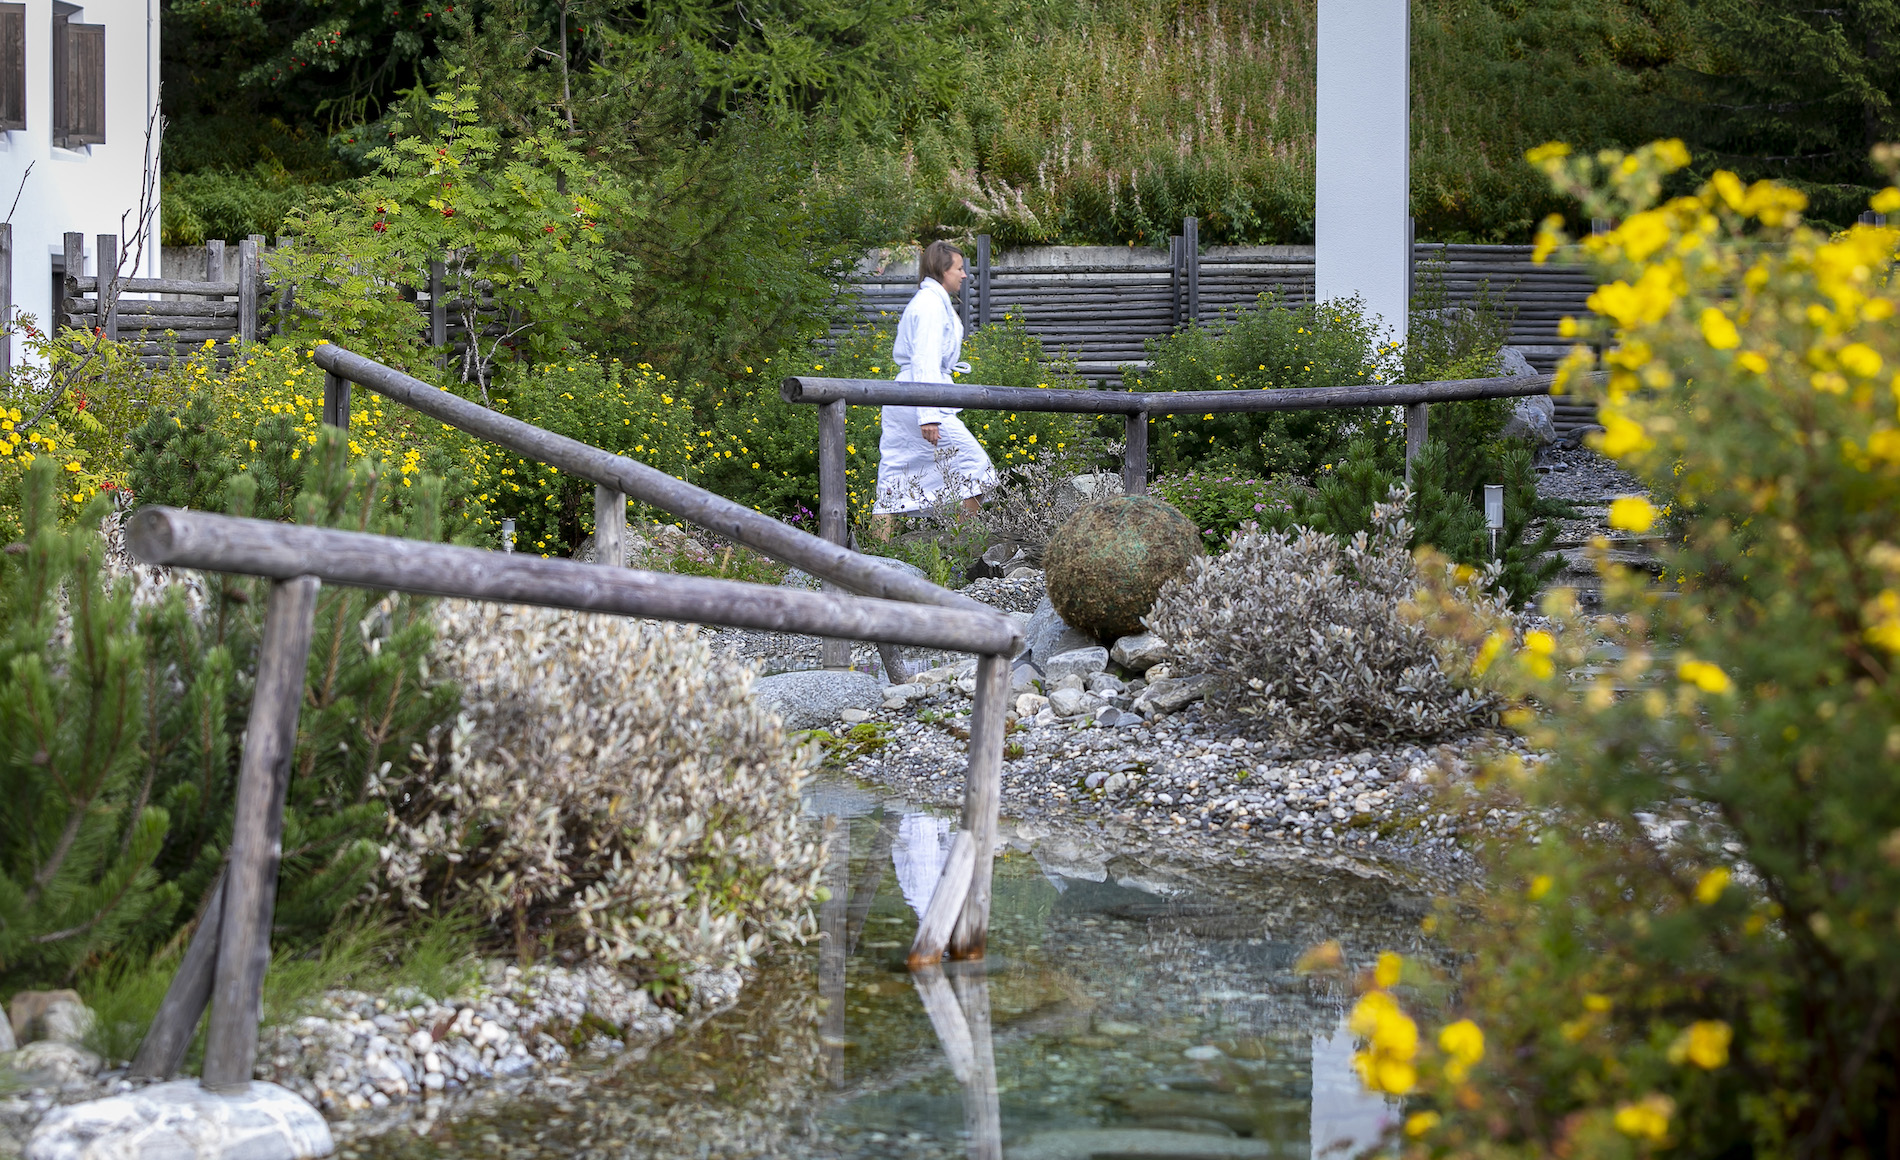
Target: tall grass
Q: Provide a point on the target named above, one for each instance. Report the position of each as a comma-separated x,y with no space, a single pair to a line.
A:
436,955
1108,121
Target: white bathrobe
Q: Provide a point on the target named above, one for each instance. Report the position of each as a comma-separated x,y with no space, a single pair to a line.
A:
911,474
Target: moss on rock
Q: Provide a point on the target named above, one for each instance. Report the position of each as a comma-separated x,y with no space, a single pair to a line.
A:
1107,562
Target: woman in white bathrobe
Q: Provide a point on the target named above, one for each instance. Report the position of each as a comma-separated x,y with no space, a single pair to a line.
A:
926,456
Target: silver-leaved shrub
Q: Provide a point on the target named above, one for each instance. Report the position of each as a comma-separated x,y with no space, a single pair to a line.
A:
1305,637
609,789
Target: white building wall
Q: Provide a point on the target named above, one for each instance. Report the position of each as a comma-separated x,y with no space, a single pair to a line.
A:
90,188
1362,224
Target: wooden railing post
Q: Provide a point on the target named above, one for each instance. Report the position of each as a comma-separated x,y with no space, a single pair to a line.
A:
6,299
257,832
610,527
107,259
336,400
982,279
247,289
982,797
1177,282
214,260
162,1052
1417,418
1135,455
833,513
1191,255
75,270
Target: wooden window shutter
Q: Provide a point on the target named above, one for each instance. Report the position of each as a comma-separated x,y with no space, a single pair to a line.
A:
79,84
12,66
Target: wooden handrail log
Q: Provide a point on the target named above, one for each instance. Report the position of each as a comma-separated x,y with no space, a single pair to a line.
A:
735,522
976,397
218,543
90,285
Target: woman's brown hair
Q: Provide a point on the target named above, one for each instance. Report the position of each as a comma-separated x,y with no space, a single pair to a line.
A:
938,257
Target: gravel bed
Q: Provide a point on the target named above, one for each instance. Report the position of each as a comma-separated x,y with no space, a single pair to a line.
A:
1182,786
371,1063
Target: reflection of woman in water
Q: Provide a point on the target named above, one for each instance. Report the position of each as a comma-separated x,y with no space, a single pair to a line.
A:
926,455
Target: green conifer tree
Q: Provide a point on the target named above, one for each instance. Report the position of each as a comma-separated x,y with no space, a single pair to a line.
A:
77,837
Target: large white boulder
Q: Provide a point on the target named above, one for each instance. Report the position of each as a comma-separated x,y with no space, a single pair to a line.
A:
182,1121
814,698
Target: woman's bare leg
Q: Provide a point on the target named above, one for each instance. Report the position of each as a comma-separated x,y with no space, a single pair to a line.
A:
882,525
973,504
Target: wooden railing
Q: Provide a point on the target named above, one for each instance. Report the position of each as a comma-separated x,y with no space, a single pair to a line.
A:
224,966
832,396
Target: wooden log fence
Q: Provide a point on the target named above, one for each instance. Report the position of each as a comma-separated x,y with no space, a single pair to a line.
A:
1102,314
219,308
1137,408
225,964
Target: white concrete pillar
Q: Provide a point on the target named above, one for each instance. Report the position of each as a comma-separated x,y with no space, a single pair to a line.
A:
1362,230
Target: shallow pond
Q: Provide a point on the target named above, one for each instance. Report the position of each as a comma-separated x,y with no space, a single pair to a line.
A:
1124,1010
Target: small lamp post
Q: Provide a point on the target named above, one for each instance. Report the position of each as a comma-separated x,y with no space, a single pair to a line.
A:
1494,513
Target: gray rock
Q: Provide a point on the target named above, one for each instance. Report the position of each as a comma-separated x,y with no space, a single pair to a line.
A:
1511,361
58,1015
854,716
1171,695
7,1042
1105,685
1082,662
1140,652
1115,782
1049,636
813,698
1071,702
179,1120
1023,678
1020,571
799,578
49,1063
905,692
1533,418
1105,485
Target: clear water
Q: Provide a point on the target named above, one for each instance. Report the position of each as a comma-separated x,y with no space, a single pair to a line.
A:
1124,1010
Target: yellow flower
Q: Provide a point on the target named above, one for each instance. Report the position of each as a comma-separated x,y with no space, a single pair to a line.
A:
1749,361
73,465
1632,513
1860,359
1463,1042
1718,331
1541,643
1704,1043
1386,973
1886,201
1419,1123
1646,1119
1645,302
1705,676
1597,1003
1487,653
1539,887
1710,887
1621,435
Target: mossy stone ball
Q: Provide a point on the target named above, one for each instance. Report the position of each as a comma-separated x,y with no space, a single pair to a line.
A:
1106,564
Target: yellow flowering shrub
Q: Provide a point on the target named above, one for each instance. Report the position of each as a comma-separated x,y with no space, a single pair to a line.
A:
1698,956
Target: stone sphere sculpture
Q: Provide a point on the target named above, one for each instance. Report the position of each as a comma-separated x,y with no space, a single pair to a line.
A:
1106,564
